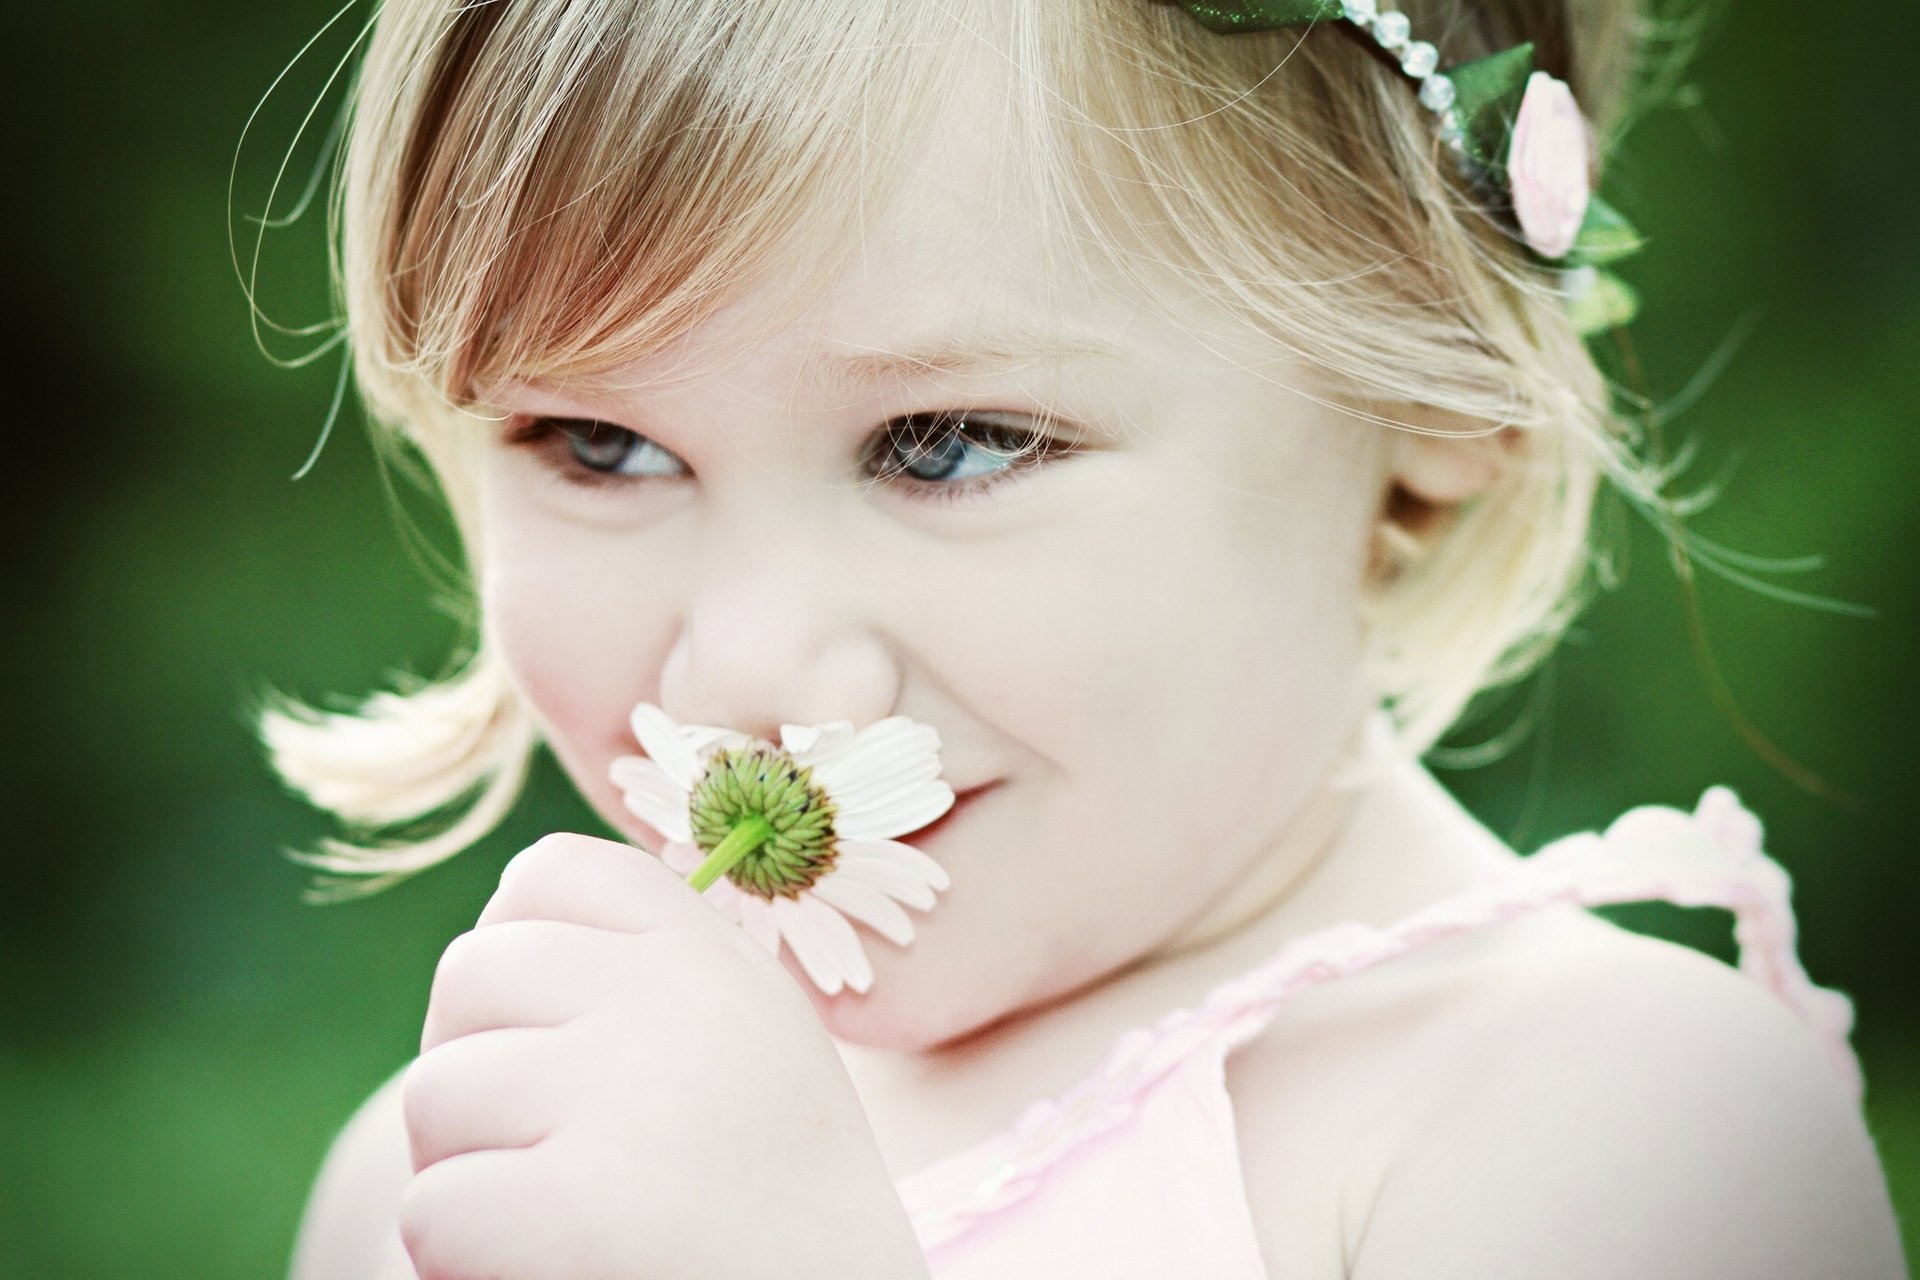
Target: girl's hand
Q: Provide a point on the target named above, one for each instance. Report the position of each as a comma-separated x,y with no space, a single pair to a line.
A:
615,1083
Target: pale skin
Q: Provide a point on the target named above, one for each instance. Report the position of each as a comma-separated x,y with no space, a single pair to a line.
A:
1145,650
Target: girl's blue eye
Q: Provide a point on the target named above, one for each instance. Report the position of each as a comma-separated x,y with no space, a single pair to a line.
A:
944,456
616,451
953,451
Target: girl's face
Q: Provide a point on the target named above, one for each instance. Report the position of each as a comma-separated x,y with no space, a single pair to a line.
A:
1140,648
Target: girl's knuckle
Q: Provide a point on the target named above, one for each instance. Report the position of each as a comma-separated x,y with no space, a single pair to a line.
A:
551,854
423,1212
420,1092
463,961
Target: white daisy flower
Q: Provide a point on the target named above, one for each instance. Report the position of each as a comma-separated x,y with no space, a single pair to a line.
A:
791,841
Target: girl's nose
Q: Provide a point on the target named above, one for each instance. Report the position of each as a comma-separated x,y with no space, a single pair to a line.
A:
770,636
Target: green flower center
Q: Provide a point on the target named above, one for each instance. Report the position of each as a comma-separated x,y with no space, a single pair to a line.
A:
762,821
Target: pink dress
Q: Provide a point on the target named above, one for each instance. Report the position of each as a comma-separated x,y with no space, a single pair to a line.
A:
1135,1170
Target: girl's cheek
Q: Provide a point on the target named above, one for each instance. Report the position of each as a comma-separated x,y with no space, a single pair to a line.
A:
577,644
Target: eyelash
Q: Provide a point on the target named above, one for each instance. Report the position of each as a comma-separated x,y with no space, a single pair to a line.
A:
1021,450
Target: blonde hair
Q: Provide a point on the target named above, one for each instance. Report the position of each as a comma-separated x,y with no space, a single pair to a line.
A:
543,187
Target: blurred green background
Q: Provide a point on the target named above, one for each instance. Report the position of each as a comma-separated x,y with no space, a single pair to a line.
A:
183,1037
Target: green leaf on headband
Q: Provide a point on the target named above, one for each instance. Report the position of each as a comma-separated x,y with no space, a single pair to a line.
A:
1261,15
1607,302
1605,236
1486,98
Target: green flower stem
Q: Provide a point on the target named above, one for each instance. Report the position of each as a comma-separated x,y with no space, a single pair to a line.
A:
747,835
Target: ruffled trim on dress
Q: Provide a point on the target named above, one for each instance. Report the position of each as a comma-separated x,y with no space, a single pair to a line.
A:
1708,858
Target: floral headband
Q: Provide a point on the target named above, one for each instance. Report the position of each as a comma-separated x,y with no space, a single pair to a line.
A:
1516,135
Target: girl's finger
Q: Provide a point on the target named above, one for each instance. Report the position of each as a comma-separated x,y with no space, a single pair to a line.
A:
477,1217
491,1091
535,973
594,882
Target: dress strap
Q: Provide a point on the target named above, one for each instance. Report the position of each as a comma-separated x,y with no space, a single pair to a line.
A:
1708,858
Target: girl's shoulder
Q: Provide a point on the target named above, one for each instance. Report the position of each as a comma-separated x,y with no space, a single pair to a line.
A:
1501,1075
1603,1098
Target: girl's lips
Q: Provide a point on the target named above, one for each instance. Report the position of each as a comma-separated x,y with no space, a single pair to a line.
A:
962,801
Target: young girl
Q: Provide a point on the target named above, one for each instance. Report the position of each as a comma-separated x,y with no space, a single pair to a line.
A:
1181,409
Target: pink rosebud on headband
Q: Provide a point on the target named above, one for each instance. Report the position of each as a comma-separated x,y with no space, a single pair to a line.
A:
1547,166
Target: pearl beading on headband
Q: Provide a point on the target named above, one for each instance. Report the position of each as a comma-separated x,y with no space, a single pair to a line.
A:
1516,135
1420,60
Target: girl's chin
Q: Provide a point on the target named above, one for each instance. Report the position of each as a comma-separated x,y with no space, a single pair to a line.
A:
888,1016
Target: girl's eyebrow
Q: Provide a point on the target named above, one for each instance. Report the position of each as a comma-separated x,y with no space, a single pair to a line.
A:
972,353
977,352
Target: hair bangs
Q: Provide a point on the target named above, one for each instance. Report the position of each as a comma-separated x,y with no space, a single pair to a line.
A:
538,217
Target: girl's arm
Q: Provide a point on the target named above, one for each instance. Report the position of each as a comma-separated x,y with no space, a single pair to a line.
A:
351,1229
1646,1113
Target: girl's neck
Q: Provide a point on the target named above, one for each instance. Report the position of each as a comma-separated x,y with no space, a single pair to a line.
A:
1369,854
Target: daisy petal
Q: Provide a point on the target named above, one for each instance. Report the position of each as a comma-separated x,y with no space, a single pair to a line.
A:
868,905
889,877
651,796
798,739
757,922
663,740
872,792
820,740
703,738
879,751
811,948
897,817
919,864
854,965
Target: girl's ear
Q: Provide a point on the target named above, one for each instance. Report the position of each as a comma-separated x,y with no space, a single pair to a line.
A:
1429,477
1448,469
